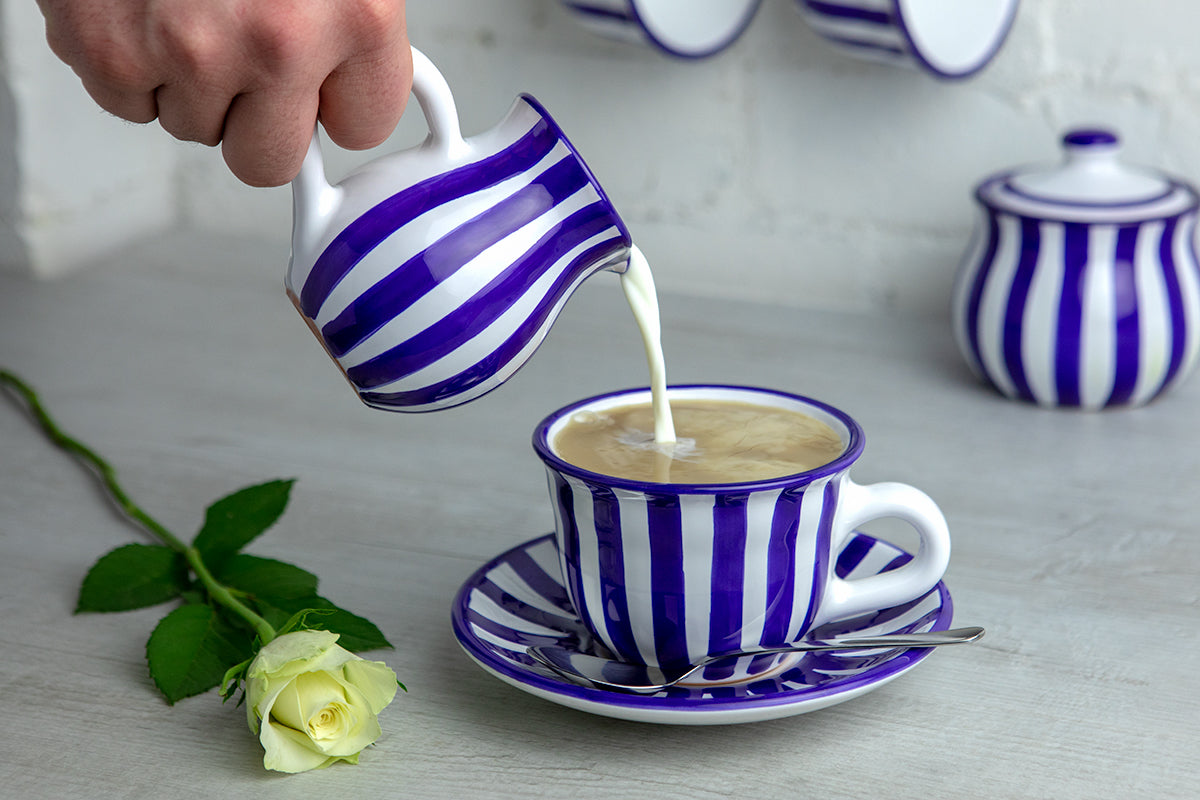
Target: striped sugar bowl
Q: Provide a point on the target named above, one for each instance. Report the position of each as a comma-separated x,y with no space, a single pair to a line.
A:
945,38
665,573
430,275
1080,287
688,29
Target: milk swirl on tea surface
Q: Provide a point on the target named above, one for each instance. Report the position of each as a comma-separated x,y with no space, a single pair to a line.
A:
720,441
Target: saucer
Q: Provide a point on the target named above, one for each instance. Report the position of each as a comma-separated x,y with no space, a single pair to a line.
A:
517,599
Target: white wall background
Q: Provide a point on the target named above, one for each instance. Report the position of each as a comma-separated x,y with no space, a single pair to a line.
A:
778,170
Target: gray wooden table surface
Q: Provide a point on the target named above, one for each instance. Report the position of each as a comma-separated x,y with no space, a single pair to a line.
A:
1076,544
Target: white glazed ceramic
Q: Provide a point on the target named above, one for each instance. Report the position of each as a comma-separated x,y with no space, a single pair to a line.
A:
430,275
668,574
685,28
517,599
945,38
1080,287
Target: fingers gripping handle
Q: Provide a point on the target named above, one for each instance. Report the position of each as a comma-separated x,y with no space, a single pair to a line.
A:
860,504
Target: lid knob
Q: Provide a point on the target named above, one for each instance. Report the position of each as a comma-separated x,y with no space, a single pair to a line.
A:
1091,147
1089,138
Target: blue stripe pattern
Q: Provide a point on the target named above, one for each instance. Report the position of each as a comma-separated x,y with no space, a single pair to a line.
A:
1122,321
857,13
898,33
371,229
865,28
623,14
753,533
399,354
675,28
501,609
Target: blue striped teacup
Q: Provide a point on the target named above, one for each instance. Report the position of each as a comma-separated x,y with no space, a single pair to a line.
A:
431,275
944,38
666,574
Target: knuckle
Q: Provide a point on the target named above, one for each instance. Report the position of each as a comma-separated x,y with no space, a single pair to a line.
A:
378,19
119,74
281,44
196,49
100,60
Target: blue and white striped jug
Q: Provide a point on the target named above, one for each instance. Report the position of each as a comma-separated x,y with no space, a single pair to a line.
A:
432,274
1081,288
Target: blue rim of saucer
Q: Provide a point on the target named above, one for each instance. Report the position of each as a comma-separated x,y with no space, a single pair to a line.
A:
517,600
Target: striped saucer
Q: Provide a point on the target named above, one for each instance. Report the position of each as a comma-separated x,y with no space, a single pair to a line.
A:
517,599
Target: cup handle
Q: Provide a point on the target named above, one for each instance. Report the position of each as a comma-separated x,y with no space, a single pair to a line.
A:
859,504
315,200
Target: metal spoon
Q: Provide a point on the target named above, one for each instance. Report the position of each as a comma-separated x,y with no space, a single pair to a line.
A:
605,673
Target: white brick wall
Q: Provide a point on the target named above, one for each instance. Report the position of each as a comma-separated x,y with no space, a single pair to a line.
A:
75,182
781,169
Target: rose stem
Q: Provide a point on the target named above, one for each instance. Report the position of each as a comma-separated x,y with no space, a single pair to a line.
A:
108,476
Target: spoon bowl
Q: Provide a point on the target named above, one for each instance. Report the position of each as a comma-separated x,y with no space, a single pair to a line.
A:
621,676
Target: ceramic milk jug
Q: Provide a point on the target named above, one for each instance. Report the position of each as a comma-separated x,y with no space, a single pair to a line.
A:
1080,288
431,275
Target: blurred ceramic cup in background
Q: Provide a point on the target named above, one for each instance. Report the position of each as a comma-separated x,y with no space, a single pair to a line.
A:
690,29
945,38
665,573
431,274
1080,287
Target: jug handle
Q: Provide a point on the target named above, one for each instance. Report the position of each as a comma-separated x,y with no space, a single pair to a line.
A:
315,200
437,104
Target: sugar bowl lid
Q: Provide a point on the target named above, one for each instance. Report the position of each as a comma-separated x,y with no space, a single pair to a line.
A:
1091,184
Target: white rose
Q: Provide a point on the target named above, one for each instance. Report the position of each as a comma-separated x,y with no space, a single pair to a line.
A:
312,702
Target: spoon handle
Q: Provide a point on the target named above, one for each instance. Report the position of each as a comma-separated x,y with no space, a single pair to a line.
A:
926,639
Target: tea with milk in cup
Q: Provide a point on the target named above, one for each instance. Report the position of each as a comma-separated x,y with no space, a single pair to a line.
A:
717,441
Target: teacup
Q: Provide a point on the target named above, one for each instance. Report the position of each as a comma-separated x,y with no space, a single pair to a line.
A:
694,29
431,275
666,574
945,38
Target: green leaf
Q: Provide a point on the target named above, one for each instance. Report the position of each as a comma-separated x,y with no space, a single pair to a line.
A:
190,651
267,577
355,633
133,576
234,521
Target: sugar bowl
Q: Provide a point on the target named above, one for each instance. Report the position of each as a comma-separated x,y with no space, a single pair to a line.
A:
1080,287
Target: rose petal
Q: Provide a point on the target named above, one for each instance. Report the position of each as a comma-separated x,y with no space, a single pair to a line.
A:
313,691
374,679
331,725
292,649
288,709
313,702
363,733
313,651
286,750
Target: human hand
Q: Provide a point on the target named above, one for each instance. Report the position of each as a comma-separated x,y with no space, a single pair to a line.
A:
250,75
